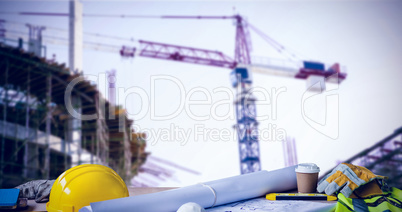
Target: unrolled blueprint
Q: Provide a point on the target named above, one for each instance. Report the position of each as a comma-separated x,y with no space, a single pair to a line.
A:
207,194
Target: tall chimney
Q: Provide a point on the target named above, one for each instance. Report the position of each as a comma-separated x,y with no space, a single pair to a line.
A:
75,36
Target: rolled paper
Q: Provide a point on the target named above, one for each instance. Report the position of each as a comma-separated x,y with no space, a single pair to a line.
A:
207,194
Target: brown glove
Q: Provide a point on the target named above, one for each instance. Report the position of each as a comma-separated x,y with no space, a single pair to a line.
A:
370,189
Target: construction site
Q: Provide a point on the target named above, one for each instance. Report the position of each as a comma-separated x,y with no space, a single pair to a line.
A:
54,116
41,139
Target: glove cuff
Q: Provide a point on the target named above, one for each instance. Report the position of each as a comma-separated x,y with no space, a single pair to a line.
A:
370,189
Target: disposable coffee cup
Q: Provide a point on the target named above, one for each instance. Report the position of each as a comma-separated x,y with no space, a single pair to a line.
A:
307,177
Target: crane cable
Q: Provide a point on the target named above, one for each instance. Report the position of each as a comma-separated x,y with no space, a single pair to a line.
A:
291,55
85,33
64,42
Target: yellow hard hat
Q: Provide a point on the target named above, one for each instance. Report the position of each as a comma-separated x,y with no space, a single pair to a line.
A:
83,184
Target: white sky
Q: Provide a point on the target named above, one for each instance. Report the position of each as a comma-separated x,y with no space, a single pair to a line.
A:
365,36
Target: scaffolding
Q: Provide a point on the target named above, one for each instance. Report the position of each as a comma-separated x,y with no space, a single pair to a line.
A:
40,138
383,158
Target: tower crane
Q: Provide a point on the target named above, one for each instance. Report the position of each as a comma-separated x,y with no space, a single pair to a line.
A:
242,66
241,79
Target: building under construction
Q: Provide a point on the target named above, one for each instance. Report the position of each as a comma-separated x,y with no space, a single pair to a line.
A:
383,158
44,130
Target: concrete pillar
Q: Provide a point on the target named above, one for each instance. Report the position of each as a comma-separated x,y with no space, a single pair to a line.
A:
75,36
26,150
74,130
5,103
48,124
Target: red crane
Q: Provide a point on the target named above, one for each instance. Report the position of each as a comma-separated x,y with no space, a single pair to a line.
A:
242,66
241,77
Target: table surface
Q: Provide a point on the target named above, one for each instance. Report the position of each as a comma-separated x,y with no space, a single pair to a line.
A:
133,191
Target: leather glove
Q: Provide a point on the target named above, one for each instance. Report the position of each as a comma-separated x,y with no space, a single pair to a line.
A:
36,189
346,178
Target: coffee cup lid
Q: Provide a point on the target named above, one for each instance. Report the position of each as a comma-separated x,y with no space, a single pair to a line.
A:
307,168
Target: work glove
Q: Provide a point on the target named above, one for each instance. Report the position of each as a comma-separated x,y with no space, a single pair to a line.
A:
346,178
36,189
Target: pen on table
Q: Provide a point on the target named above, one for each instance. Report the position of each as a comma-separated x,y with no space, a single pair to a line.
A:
299,196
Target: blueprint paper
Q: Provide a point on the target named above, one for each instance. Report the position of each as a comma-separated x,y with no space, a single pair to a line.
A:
86,209
263,205
227,190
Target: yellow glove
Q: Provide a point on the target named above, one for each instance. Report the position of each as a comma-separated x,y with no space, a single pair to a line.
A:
345,178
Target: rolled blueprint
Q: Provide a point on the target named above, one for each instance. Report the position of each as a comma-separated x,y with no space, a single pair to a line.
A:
207,194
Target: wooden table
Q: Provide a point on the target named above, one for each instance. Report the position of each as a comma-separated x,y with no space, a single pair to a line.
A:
133,191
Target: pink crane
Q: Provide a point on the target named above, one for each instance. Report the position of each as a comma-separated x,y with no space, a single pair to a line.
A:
241,77
242,66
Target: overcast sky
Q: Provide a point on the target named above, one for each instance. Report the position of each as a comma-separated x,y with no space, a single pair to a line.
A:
364,36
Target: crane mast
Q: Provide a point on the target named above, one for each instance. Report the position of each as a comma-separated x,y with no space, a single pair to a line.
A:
247,125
